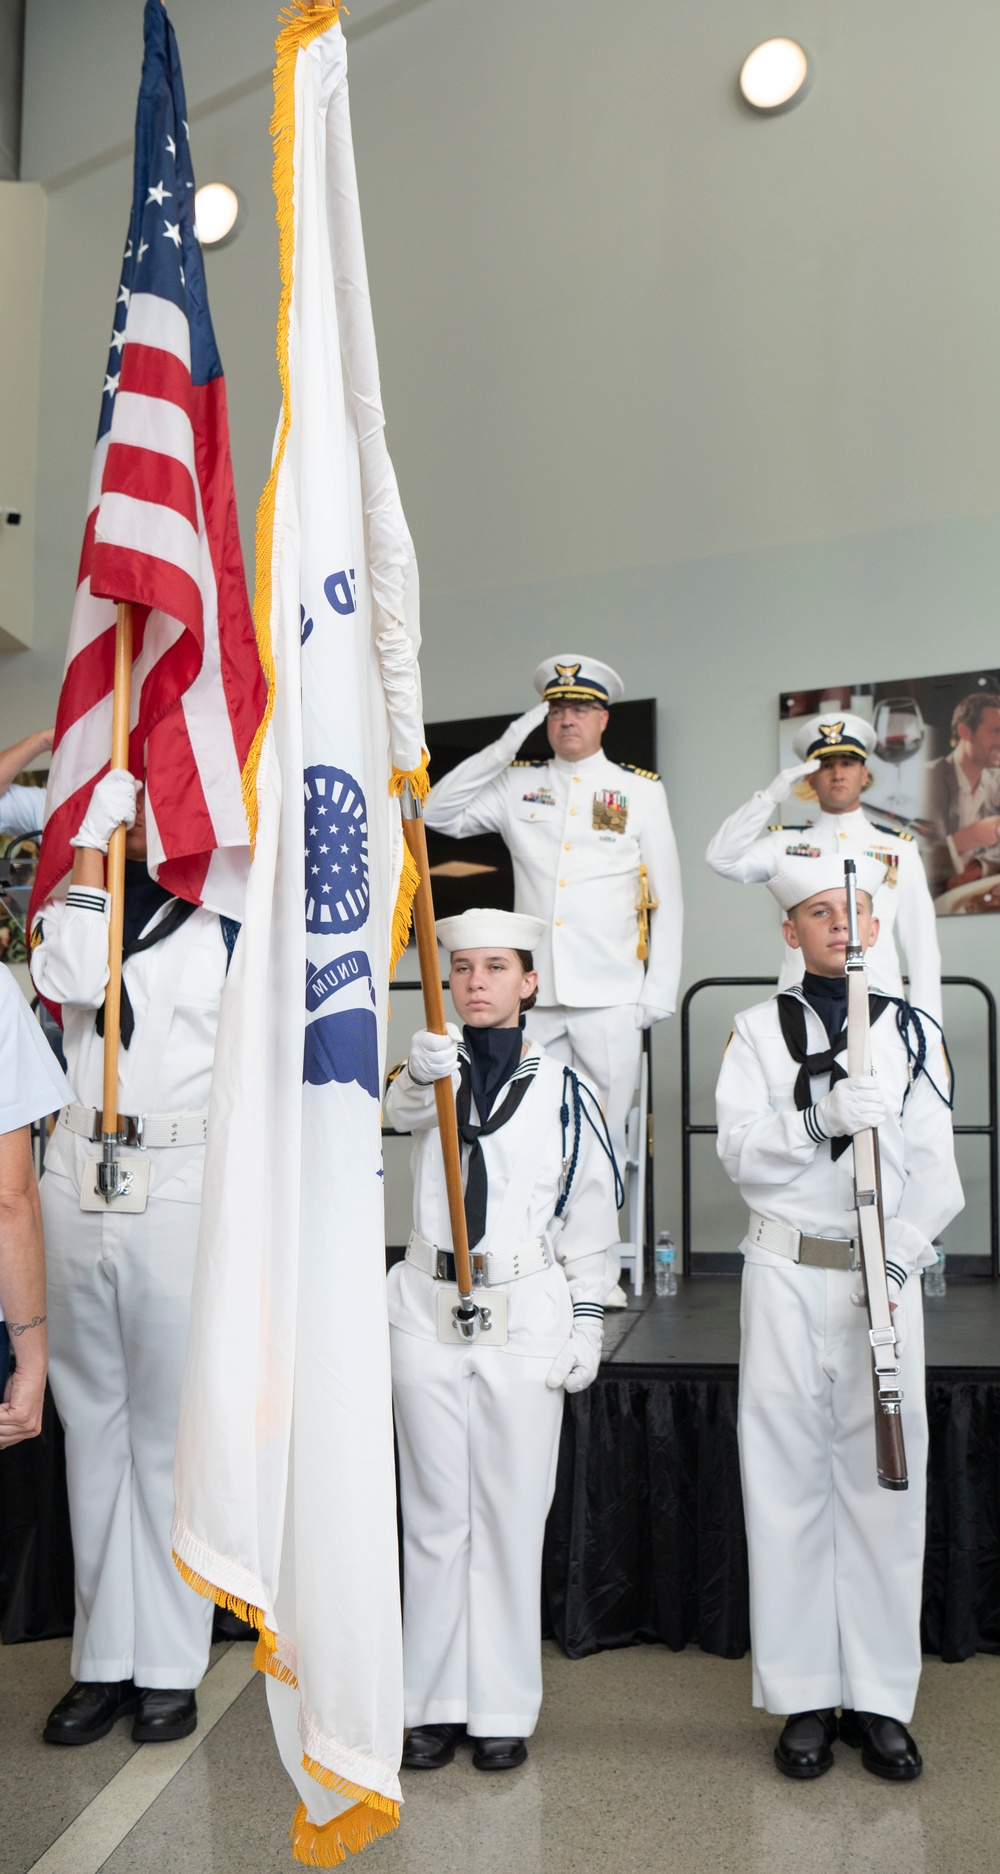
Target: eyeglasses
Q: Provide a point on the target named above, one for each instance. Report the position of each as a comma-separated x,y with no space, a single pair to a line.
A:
572,709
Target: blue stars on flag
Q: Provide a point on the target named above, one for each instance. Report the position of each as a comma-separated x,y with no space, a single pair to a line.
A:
336,839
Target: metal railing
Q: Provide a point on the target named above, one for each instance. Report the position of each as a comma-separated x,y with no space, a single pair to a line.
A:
690,1131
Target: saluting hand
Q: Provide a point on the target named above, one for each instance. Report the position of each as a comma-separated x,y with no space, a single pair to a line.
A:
788,779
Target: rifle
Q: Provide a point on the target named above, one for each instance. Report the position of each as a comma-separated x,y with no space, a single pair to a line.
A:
890,1455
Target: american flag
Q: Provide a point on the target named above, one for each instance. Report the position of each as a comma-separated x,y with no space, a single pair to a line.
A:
162,532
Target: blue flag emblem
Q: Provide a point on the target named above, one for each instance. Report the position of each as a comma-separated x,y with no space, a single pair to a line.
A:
336,828
341,1043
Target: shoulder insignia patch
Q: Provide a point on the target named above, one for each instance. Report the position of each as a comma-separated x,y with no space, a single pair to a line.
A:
894,832
541,761
646,774
777,827
394,1072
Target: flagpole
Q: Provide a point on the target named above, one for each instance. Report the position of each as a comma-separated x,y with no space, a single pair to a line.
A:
466,1314
108,1175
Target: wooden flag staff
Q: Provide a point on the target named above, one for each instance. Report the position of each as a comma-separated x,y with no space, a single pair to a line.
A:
468,1317
109,1178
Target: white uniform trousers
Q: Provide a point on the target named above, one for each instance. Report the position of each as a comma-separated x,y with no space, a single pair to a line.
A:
603,1044
836,1562
119,1295
478,1433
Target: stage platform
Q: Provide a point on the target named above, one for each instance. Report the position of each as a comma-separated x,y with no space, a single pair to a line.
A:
645,1539
699,1326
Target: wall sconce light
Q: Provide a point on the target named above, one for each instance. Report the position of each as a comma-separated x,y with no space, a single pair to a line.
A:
217,214
774,76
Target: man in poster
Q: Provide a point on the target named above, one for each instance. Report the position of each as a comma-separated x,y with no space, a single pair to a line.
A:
962,797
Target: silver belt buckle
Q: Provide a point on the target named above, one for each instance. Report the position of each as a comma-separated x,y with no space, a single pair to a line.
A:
824,1252
440,1265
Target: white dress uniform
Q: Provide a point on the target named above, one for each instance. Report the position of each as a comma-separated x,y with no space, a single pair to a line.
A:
748,849
22,810
477,1425
577,833
119,1284
836,1563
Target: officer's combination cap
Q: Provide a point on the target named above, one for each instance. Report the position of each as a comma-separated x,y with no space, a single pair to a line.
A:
803,878
488,929
823,737
571,678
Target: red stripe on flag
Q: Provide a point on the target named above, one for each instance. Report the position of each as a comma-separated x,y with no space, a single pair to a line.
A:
91,675
149,372
122,573
178,800
242,676
147,475
87,548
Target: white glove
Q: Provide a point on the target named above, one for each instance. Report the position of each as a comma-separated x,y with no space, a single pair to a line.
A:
575,1365
853,1105
784,782
646,1015
519,731
112,804
432,1057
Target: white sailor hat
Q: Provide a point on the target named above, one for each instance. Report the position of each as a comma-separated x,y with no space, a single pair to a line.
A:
571,678
834,733
489,929
802,878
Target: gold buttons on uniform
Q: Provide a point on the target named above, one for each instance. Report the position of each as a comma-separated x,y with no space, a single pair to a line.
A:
558,920
574,810
568,846
562,881
576,780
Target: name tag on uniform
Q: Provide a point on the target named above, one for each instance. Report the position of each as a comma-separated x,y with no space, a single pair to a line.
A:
491,1301
134,1176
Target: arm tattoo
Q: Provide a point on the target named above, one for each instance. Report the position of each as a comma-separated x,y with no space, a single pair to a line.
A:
14,1328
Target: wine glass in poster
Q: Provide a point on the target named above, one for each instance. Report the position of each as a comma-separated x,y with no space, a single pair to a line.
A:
934,773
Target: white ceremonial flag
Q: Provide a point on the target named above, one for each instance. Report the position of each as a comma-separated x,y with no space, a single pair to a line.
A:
285,1492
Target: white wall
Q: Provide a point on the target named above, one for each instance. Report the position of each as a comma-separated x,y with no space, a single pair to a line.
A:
713,396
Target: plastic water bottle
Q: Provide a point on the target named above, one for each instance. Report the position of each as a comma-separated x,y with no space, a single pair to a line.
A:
934,1279
666,1276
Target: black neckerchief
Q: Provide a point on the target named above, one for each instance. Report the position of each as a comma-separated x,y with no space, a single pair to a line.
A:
828,996
143,898
493,1055
792,1016
477,1183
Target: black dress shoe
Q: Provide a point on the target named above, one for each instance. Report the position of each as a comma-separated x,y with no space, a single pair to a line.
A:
803,1749
887,1749
431,1746
89,1710
164,1716
499,1753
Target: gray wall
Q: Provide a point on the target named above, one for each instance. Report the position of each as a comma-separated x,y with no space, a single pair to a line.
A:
713,396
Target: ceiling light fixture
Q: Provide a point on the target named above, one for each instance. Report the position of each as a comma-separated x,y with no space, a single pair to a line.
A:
216,214
774,76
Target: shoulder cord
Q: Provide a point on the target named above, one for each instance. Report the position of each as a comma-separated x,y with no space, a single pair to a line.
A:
908,1017
601,1134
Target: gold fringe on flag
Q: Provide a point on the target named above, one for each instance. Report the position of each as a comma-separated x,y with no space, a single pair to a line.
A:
402,915
267,1640
300,25
328,1844
266,1659
418,778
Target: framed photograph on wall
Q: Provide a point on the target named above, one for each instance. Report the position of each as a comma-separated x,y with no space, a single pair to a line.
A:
935,773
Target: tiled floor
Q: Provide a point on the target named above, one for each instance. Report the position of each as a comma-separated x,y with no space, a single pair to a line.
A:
700,1324
645,1762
